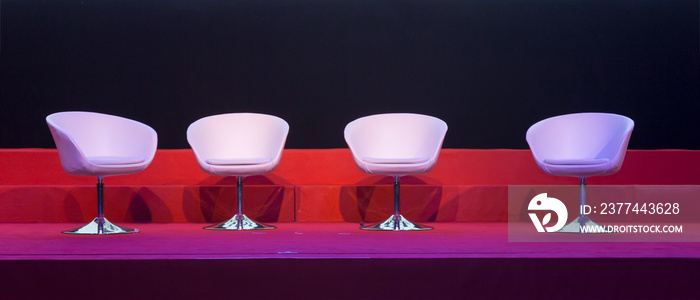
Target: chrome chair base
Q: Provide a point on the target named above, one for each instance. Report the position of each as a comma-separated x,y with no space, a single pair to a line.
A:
396,223
239,222
101,226
582,221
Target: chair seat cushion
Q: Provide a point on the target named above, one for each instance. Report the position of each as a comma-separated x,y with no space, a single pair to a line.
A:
583,161
237,161
415,160
115,160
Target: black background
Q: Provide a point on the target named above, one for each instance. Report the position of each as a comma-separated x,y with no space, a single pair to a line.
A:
489,68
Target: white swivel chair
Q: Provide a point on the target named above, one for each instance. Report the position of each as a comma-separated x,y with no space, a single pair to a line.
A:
396,145
100,145
580,145
240,145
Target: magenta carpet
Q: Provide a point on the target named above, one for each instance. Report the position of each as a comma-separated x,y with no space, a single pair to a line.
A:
43,241
334,261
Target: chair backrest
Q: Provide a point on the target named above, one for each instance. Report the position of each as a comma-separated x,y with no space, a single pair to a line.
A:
238,136
82,135
396,136
581,136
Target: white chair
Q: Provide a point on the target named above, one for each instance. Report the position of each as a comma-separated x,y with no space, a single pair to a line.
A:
580,145
100,145
240,145
396,145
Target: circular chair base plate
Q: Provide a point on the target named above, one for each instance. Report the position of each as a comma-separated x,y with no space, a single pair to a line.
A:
239,222
101,226
396,223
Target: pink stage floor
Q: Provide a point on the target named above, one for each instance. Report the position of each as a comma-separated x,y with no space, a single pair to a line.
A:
41,241
334,261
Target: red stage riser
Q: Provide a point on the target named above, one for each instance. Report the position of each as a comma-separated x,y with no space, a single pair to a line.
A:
144,204
332,203
313,185
336,167
263,203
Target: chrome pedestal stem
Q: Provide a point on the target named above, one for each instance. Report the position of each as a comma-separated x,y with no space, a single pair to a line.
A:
582,220
397,205
239,195
100,205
